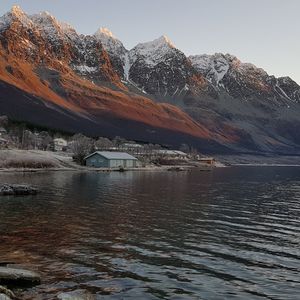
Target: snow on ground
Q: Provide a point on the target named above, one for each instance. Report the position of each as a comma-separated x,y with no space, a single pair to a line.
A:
127,66
85,69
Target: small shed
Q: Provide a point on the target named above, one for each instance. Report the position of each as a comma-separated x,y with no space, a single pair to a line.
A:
107,159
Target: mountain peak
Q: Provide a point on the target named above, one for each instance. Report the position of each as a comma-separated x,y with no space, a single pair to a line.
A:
45,14
109,41
159,44
17,11
15,14
51,26
106,32
152,52
166,40
43,17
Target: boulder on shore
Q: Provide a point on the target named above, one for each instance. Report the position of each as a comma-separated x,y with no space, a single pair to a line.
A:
17,189
4,297
18,277
6,294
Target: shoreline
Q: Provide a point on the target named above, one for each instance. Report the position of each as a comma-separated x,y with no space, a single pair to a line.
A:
33,161
105,170
46,161
141,169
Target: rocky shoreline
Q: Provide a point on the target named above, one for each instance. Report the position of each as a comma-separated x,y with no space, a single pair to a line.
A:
17,189
12,277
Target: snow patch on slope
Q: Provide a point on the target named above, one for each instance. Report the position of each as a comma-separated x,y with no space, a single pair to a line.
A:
84,69
214,67
127,65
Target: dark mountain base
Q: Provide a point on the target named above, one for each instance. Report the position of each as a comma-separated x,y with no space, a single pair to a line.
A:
22,106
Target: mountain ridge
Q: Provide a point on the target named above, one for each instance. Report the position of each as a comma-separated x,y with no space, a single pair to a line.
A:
216,97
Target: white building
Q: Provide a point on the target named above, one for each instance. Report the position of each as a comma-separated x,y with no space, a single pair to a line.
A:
60,144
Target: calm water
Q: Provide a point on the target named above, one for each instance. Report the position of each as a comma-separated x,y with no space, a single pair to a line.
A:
233,233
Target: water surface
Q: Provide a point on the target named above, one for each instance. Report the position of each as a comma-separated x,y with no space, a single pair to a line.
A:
228,234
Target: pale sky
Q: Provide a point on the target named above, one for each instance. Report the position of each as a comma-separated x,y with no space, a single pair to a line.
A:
263,32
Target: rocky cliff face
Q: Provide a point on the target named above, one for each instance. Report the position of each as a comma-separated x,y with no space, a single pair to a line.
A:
158,68
228,102
115,49
42,40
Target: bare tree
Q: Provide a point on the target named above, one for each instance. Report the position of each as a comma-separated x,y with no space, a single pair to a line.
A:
118,141
45,140
103,143
81,147
3,121
28,140
194,153
15,135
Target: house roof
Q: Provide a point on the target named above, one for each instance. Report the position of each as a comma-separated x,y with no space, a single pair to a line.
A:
113,155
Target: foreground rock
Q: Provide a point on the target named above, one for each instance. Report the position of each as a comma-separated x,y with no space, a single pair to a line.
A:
6,294
5,297
17,189
18,277
76,295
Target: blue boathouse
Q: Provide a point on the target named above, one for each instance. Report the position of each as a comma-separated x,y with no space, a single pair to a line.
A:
107,159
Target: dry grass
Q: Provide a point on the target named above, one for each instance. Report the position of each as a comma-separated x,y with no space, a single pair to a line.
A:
23,159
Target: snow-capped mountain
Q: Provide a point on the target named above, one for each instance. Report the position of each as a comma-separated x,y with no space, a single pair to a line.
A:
16,13
160,69
233,103
154,52
42,39
53,29
156,67
243,80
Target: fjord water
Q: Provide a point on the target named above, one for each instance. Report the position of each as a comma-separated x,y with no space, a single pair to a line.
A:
232,233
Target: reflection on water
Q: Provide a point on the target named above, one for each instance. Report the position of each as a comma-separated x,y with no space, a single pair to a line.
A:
228,234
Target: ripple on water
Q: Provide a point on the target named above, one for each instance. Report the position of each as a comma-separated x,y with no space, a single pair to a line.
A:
230,234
